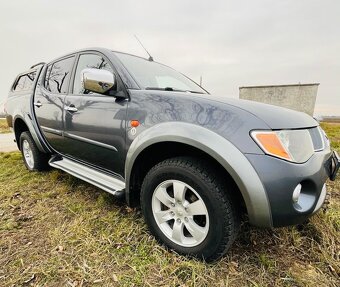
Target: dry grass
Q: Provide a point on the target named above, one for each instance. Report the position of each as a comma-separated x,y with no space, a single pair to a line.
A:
4,127
56,230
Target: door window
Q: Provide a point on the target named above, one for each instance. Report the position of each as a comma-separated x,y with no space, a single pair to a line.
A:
58,76
88,61
25,82
20,85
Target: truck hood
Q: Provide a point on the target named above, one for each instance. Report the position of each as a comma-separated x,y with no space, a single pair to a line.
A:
275,117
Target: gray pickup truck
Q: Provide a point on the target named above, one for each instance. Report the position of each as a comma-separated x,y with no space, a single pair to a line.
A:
195,163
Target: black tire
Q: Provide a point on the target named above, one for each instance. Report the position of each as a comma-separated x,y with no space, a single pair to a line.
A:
40,160
222,212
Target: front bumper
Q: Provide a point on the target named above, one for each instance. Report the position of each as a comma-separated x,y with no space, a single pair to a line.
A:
334,165
280,178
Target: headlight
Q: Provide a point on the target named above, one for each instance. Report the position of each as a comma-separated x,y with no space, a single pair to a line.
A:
324,137
292,145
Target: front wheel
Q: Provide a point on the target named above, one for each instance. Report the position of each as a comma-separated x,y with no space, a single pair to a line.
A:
188,208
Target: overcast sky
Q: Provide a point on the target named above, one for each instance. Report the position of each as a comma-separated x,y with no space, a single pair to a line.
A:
229,43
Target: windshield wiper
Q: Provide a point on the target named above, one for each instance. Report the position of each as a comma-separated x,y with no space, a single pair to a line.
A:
195,92
163,89
171,90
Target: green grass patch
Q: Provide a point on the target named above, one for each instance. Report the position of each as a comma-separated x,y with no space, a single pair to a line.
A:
333,132
56,230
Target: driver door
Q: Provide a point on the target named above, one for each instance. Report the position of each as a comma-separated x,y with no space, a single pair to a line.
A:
94,124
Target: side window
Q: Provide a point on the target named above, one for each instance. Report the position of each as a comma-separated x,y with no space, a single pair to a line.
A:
19,86
58,76
25,82
48,71
30,80
88,61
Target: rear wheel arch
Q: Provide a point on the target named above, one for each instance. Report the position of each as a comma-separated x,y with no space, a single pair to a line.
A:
22,124
19,127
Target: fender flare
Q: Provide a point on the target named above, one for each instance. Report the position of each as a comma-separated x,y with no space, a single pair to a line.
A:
28,122
222,150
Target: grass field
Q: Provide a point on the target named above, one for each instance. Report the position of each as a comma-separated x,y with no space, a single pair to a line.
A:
4,127
56,230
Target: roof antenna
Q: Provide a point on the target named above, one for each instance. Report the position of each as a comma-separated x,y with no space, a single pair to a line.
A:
150,57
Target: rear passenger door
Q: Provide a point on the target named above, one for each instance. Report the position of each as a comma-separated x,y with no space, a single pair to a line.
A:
94,124
49,100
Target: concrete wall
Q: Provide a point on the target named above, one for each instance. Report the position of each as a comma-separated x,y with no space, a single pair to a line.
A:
300,97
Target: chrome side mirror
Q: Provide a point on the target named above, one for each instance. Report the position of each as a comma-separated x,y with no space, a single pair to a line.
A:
98,81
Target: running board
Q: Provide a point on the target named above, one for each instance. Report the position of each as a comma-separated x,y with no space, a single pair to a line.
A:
106,182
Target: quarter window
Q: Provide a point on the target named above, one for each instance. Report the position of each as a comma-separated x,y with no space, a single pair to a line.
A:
25,82
88,61
58,76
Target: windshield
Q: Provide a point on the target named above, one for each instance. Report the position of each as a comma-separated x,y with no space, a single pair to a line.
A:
154,76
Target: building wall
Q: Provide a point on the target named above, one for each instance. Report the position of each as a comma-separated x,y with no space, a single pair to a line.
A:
296,97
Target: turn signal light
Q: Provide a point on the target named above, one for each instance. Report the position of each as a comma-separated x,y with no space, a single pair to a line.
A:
134,123
270,142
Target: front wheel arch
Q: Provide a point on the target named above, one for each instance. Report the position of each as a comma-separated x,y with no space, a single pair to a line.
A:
158,152
209,143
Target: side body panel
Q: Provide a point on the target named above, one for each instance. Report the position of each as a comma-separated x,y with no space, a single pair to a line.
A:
96,132
50,116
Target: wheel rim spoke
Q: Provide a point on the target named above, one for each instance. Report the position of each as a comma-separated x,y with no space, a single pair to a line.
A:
163,216
163,196
197,232
177,231
179,191
196,208
28,154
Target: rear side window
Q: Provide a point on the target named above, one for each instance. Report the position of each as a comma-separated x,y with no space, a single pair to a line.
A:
25,82
58,76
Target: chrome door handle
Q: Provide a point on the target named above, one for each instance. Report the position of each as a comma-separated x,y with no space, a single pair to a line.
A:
38,104
71,109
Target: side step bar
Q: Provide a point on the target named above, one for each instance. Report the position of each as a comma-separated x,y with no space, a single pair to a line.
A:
106,182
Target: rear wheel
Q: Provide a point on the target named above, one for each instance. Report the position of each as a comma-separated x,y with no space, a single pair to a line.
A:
187,207
33,158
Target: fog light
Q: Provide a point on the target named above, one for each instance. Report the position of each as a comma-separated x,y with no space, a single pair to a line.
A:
296,193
